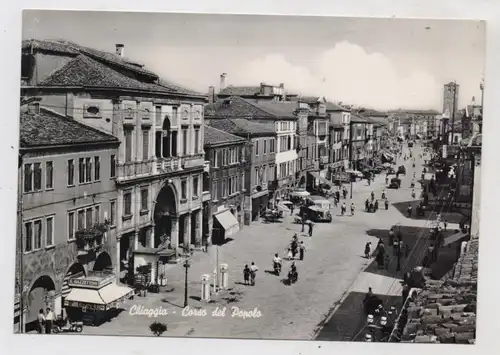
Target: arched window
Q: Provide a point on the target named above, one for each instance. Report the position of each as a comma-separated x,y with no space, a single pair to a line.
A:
289,143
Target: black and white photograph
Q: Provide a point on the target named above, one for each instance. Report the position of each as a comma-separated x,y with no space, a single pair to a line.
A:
249,176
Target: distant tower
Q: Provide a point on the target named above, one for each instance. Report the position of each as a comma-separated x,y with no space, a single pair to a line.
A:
450,99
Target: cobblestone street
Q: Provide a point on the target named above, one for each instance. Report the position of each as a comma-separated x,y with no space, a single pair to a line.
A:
333,266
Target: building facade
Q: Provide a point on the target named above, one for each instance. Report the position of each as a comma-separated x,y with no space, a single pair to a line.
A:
261,158
359,139
228,170
160,160
67,216
340,115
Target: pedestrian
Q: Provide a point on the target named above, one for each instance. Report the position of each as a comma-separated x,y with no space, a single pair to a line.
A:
375,205
367,205
303,220
253,273
352,208
386,261
291,210
302,250
205,243
445,224
409,210
40,322
343,208
310,228
289,254
246,274
49,319
386,204
368,250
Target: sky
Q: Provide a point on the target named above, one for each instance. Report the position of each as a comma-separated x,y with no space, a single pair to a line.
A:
375,63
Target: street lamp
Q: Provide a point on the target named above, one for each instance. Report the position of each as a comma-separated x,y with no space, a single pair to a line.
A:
186,267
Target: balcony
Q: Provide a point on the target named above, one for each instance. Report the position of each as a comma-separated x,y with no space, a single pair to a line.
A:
206,196
166,165
324,159
193,161
133,169
91,239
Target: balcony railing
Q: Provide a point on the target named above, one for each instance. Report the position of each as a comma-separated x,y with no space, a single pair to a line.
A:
195,160
168,164
132,169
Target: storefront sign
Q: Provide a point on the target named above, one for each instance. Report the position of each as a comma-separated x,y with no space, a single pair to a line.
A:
85,306
93,283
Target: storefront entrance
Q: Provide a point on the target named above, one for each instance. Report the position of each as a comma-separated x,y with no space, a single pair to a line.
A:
40,296
165,211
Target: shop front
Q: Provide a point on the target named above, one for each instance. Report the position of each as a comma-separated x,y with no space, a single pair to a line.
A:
260,201
225,226
93,298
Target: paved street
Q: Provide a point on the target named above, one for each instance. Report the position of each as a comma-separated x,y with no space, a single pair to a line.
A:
332,268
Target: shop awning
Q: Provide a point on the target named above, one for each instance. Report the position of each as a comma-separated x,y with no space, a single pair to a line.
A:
98,299
322,179
388,154
229,222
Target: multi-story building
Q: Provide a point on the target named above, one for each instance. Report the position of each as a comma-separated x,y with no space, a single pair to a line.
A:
262,92
160,160
336,161
360,137
67,215
261,158
341,115
228,166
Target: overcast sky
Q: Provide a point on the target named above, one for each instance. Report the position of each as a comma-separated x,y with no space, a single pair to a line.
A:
378,63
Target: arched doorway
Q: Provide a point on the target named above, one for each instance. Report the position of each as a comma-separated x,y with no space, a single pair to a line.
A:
40,296
103,262
165,209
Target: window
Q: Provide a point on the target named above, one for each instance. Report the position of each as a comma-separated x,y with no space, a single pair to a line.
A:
88,169
183,189
28,235
97,213
144,199
127,203
214,191
49,175
37,176
184,140
256,147
28,178
88,218
71,225
81,220
196,139
37,234
224,188
257,180
216,158
49,231
128,145
81,170
145,145
113,166
112,213
71,172
195,186
97,169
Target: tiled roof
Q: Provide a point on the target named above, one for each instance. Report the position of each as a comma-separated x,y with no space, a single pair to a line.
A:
282,109
86,72
235,107
309,99
240,91
47,129
358,119
47,46
102,62
214,136
445,311
330,106
242,126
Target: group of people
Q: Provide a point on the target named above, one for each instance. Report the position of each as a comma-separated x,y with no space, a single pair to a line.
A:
45,321
371,205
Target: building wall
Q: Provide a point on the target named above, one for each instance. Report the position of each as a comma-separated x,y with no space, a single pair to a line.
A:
55,259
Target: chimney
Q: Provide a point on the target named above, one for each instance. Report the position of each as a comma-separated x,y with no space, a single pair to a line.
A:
120,48
223,81
211,94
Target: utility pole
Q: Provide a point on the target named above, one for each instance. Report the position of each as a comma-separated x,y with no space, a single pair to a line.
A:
453,113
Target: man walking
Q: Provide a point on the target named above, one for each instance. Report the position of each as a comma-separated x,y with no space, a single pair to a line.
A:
302,250
253,272
310,228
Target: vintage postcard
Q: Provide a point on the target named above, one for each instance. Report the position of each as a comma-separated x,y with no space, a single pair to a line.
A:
255,177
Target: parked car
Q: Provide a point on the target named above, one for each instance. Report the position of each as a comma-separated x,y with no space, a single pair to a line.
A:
410,144
395,183
402,170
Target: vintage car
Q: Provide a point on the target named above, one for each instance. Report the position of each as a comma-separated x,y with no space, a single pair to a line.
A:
316,213
402,170
395,183
410,144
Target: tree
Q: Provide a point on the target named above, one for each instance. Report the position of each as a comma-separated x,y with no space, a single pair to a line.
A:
158,328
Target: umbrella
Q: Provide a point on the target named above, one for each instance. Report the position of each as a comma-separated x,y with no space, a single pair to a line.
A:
300,193
387,165
286,203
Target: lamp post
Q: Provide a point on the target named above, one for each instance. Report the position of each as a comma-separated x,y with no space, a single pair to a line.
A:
186,267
